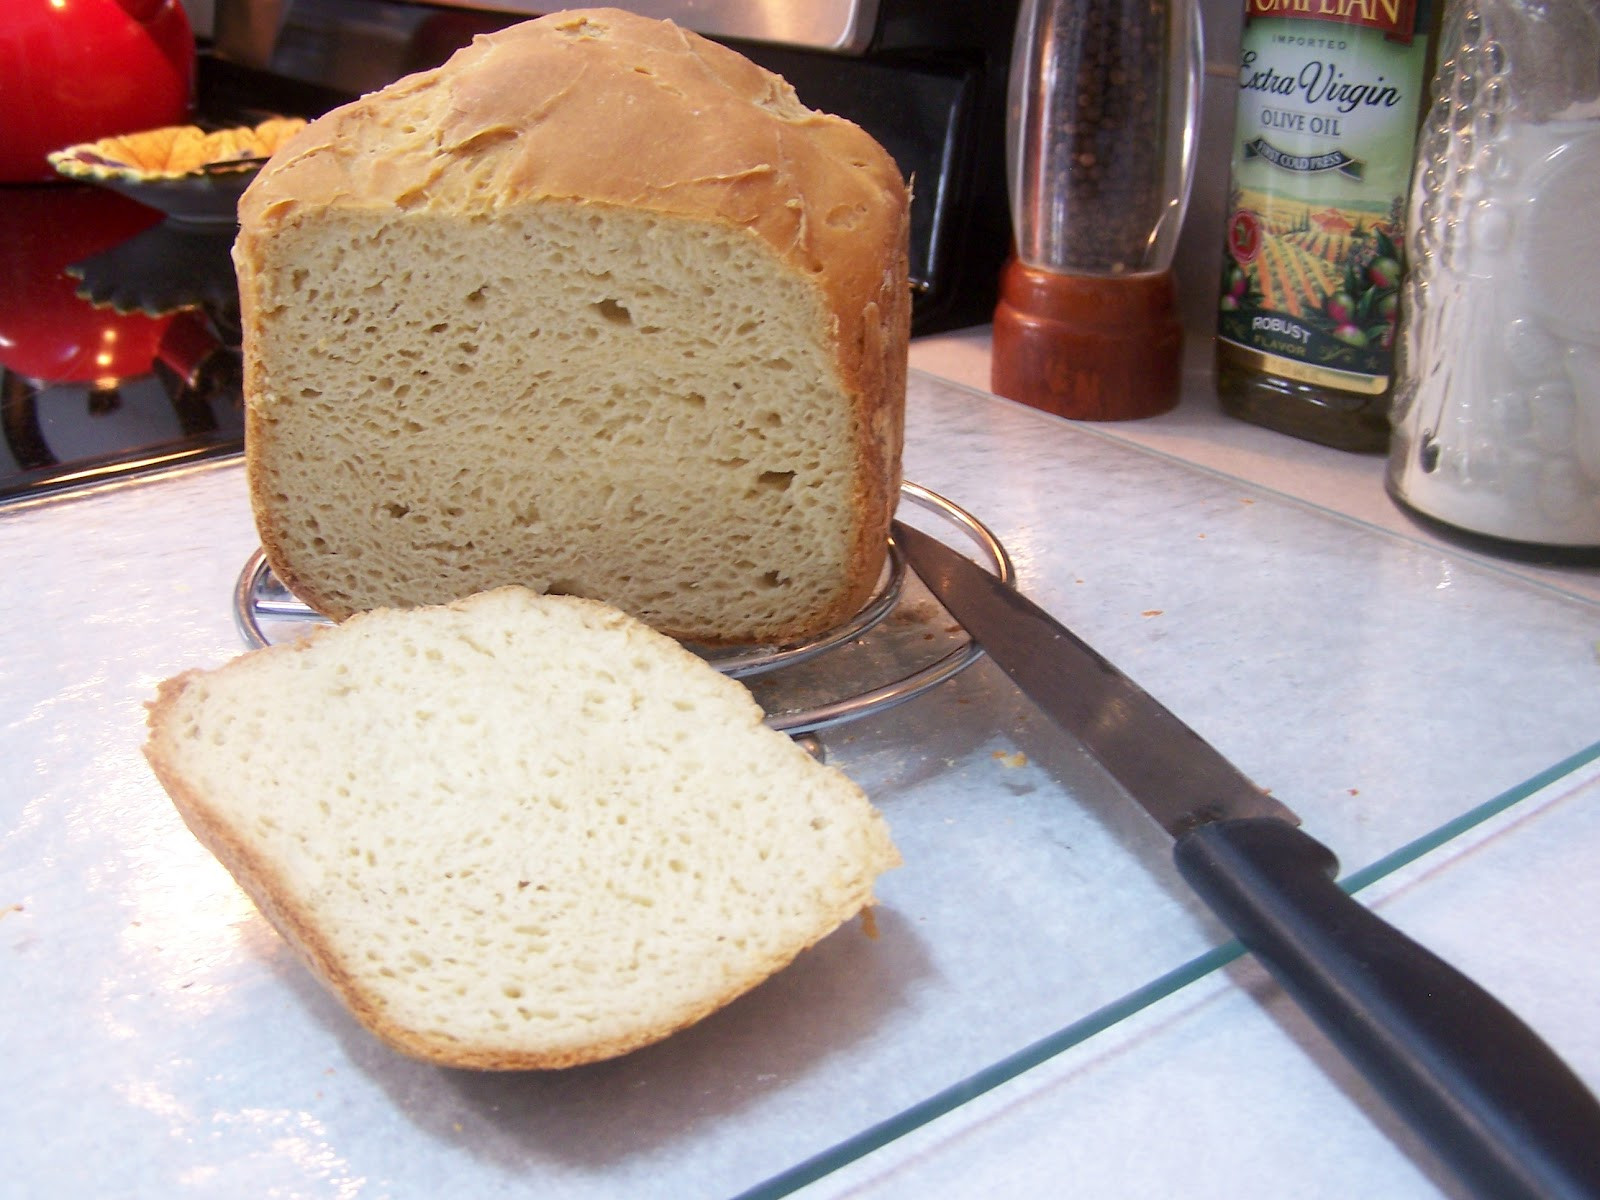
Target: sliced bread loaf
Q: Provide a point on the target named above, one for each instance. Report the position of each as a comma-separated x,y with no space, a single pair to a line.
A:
517,831
598,307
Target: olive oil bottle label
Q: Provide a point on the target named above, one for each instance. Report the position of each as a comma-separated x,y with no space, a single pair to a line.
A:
1330,95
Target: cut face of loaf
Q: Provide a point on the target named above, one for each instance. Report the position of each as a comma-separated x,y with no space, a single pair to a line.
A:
518,831
593,401
598,308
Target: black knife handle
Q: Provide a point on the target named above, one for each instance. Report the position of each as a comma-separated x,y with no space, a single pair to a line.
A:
1494,1102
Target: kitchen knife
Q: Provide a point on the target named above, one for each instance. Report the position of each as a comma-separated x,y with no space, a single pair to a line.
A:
1494,1102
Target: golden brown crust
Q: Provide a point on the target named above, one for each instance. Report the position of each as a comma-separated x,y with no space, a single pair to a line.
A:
519,119
515,119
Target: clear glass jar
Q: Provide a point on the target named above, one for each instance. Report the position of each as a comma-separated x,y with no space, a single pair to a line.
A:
1497,405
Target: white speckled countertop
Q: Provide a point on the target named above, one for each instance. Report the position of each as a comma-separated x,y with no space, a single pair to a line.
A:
1224,1089
1433,716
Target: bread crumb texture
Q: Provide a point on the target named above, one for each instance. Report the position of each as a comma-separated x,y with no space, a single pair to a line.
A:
517,831
596,308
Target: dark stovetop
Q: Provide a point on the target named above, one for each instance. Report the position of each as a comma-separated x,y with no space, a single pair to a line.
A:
119,341
119,328
119,334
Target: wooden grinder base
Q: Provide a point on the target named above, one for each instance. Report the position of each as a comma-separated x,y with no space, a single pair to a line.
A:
1091,348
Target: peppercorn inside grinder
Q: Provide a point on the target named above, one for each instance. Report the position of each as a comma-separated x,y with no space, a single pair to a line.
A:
1100,156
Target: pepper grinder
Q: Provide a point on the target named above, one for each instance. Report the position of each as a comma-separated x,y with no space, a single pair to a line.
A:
1100,139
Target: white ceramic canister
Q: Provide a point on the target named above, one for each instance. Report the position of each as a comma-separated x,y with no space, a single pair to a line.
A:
1497,408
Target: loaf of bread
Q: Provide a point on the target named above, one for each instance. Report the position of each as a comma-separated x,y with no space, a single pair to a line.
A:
517,831
599,308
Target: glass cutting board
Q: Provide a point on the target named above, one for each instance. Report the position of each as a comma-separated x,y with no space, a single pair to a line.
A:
161,1040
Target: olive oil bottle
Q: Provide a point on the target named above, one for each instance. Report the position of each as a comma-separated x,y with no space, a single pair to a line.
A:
1331,96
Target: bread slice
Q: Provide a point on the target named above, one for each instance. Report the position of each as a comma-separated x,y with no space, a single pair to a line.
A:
598,307
517,831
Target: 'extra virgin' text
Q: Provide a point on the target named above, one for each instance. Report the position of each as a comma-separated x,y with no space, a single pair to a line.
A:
1318,83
